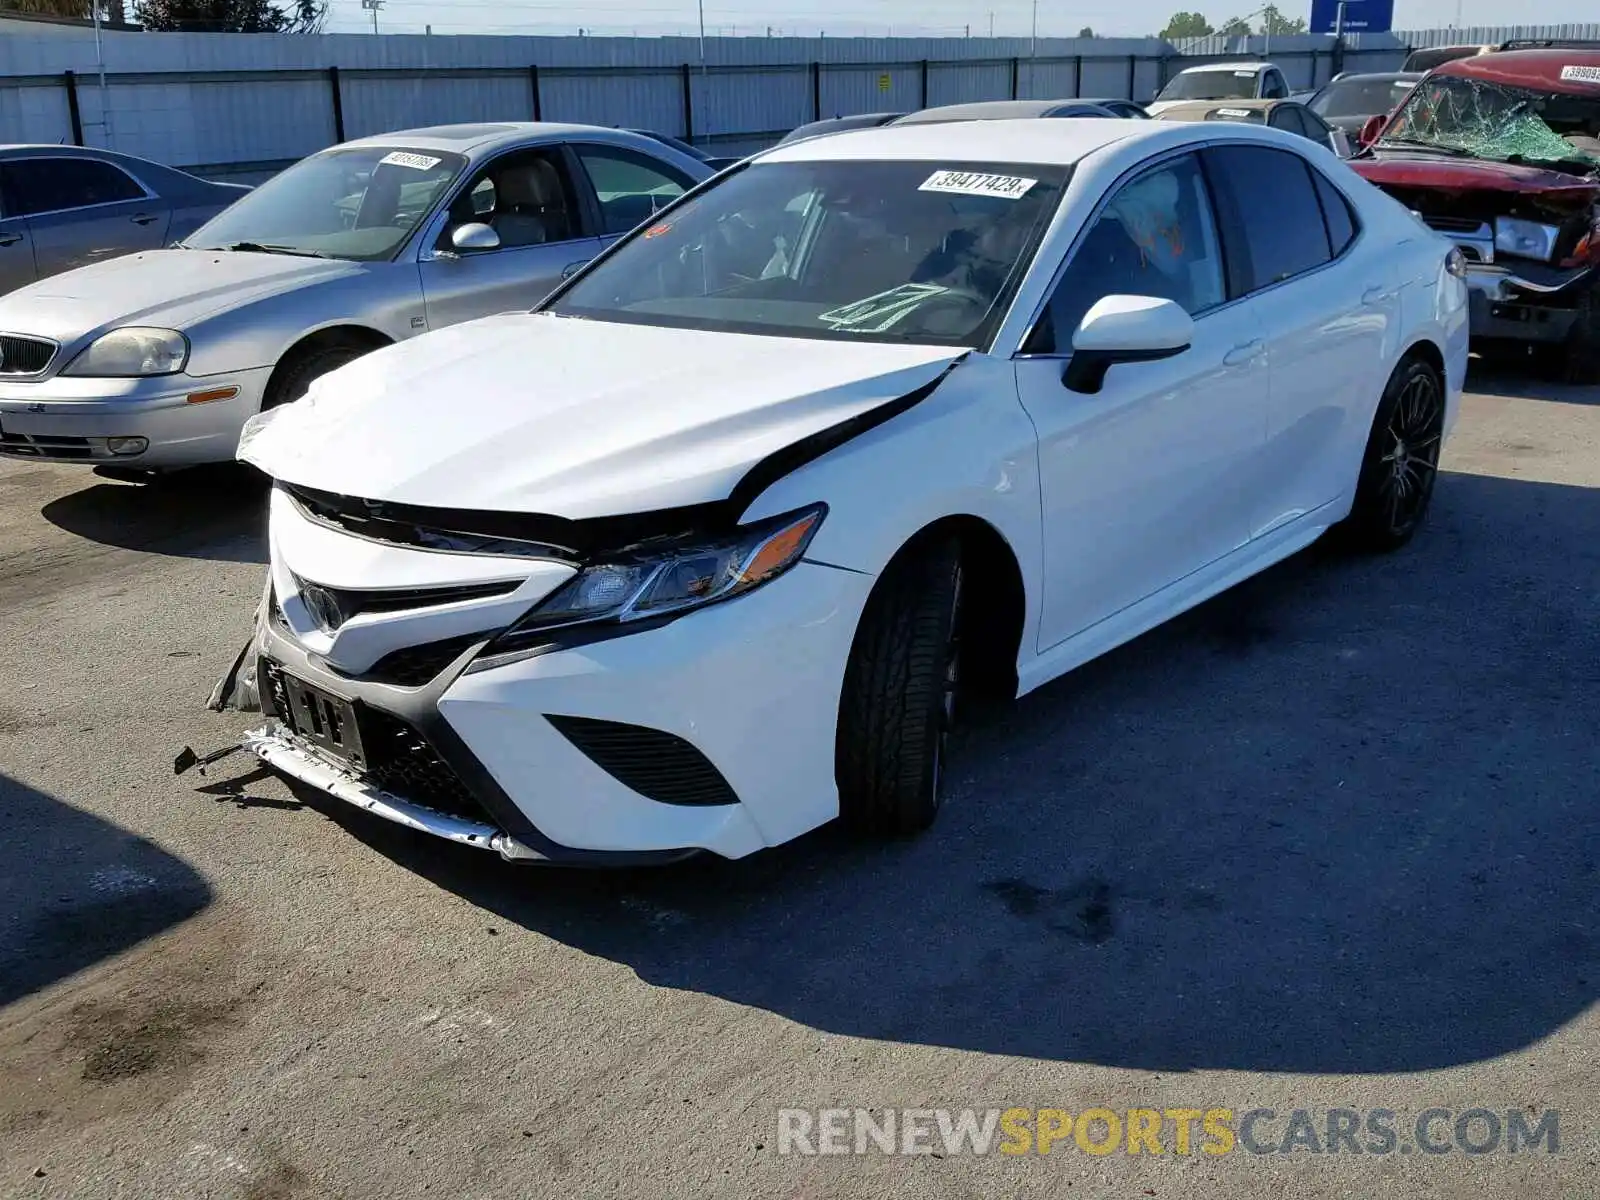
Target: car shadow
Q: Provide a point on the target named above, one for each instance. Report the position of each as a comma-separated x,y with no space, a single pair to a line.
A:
75,890
1340,819
1530,380
216,512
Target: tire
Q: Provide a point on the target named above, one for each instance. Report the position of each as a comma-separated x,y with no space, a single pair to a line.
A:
306,367
899,692
1400,463
1581,363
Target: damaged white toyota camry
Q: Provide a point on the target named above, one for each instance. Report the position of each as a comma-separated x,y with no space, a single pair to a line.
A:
714,546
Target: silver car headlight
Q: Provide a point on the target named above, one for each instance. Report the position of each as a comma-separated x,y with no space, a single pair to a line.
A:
675,578
1526,239
132,352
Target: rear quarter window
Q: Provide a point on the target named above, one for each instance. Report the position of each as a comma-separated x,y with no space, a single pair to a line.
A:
1270,205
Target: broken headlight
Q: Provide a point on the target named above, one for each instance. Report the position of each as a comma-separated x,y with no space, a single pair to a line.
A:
653,583
1526,239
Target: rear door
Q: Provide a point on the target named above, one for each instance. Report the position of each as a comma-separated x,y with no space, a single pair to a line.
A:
529,198
82,210
1326,310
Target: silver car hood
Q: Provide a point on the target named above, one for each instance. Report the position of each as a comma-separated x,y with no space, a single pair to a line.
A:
573,418
169,289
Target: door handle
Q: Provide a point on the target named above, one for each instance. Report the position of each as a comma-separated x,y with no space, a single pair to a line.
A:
10,239
1242,353
572,268
1375,294
143,219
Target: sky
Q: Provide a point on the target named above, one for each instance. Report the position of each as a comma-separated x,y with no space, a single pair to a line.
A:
839,18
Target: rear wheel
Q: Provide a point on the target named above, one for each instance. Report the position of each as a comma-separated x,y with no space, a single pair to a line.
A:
1581,363
899,696
1401,460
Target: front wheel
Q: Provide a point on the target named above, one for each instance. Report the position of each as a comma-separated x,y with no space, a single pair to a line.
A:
1401,460
899,695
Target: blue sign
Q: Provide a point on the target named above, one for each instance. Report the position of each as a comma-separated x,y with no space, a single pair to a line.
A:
1360,16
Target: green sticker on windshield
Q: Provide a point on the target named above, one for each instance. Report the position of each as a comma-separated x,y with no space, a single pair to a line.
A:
877,313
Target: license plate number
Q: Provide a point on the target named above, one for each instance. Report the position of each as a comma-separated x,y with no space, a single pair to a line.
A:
324,720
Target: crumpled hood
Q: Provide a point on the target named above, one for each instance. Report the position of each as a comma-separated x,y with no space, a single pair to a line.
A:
170,289
1475,175
573,418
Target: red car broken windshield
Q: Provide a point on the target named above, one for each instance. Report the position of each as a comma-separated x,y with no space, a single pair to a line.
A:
1500,122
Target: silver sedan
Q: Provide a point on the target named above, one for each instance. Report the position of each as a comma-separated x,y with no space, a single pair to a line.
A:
154,361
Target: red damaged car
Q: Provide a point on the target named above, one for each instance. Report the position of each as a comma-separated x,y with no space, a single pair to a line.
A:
1501,153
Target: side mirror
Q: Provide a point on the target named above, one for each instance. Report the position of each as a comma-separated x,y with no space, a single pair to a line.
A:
1124,329
1370,129
474,235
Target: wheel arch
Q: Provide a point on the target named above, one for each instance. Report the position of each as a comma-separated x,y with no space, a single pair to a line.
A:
347,333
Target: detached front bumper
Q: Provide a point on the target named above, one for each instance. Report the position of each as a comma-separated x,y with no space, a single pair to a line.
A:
179,419
1526,302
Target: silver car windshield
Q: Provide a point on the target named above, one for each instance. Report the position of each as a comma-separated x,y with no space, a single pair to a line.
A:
360,203
921,252
1220,84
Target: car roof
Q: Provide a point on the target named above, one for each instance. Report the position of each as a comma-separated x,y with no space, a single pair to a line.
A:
1379,76
1541,69
992,110
459,139
1197,107
1011,141
1226,66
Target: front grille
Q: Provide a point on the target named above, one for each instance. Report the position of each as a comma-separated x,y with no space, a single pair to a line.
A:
1454,224
25,355
332,607
36,446
658,765
416,666
400,760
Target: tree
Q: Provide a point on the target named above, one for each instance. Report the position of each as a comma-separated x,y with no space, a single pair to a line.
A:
1087,32
1275,23
231,16
1234,27
1186,25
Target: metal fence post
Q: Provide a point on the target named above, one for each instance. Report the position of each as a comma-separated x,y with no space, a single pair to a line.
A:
1133,65
338,104
688,104
533,84
1077,75
1016,71
816,91
74,114
924,103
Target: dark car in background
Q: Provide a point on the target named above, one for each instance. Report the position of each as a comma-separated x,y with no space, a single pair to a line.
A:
682,147
1287,115
67,206
838,125
1021,110
1347,102
1500,152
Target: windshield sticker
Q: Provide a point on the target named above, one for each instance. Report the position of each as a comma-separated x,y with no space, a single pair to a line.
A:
1581,74
878,313
403,158
1244,74
1233,112
973,183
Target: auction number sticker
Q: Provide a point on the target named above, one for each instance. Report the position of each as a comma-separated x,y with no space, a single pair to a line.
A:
974,183
404,158
1581,74
1233,112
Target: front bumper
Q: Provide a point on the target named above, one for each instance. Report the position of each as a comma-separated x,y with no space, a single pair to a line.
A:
66,419
1526,302
752,685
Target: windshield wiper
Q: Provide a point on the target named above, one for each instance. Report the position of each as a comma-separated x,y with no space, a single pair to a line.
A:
258,248
1571,160
1400,141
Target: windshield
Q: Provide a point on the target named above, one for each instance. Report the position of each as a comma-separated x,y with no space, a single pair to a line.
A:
1360,97
1211,85
360,203
1494,121
868,251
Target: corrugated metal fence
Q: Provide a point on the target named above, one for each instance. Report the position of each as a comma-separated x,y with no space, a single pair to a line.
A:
245,105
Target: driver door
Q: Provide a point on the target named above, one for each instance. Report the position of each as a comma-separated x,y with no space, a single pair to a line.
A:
527,197
1148,480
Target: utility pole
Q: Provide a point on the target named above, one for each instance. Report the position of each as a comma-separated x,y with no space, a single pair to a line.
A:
100,61
991,22
373,6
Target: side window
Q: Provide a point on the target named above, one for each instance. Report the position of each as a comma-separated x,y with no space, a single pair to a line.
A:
1270,210
46,185
1156,236
1336,212
1285,118
525,197
1273,87
629,186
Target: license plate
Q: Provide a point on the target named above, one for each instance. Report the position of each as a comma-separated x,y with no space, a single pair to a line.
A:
323,719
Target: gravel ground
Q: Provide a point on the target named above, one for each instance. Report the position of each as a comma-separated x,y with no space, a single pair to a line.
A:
1329,841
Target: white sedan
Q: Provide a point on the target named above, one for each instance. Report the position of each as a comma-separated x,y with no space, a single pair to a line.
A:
713,547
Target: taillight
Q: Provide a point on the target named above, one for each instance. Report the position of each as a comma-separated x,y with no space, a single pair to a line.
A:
1456,262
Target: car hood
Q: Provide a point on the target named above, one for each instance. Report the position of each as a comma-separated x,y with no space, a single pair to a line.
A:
1423,171
170,289
534,413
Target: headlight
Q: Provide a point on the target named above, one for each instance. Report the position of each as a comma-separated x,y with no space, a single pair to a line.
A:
684,576
132,352
1527,239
